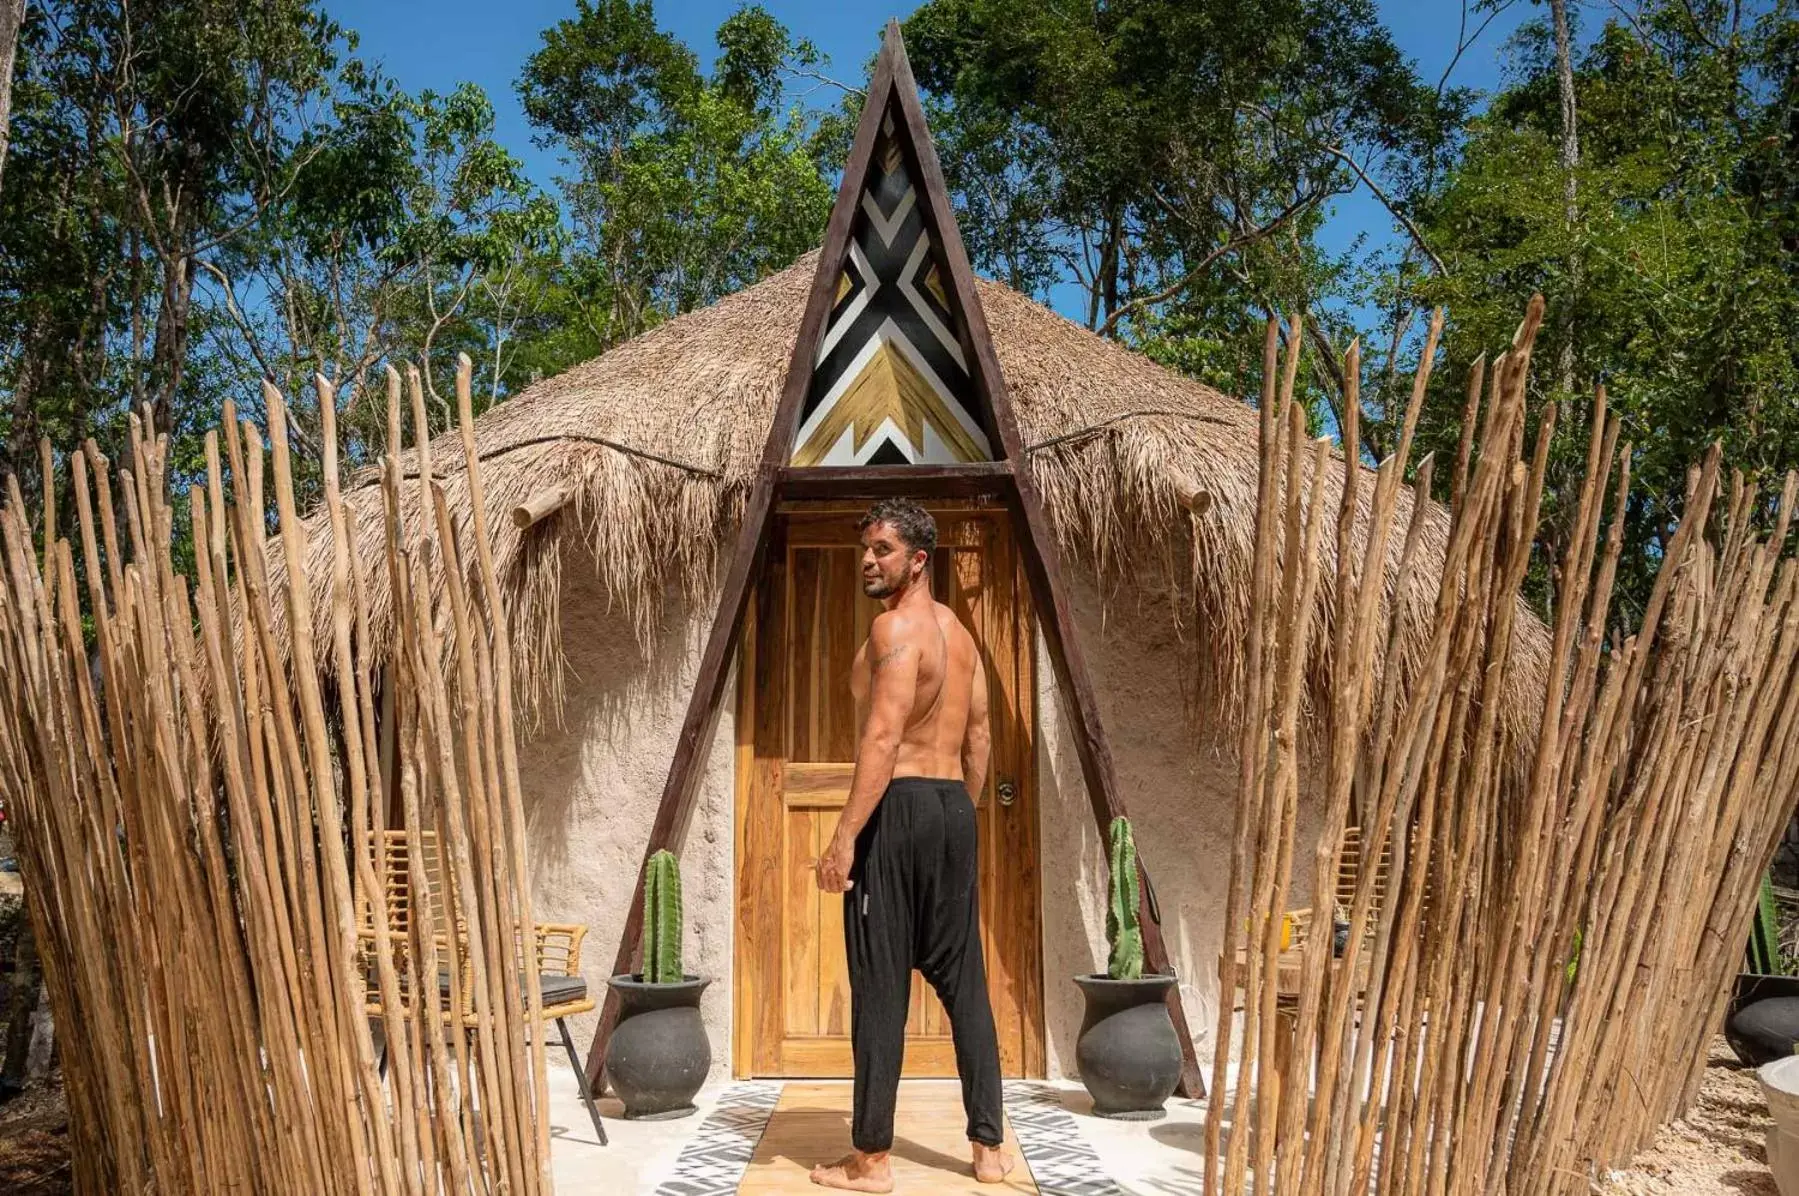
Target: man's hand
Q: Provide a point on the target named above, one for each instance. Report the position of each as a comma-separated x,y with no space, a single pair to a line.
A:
834,866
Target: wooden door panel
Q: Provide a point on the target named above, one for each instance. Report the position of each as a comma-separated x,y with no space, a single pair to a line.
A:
796,746
801,932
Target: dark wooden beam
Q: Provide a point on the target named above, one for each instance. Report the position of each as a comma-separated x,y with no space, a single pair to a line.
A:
973,480
1009,478
1048,590
697,725
1048,586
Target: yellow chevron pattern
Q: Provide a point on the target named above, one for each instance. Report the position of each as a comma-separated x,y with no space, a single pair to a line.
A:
888,387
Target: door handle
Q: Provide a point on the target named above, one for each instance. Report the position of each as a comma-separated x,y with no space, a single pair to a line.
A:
1007,792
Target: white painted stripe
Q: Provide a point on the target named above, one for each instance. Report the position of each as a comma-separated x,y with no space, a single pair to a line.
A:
888,430
870,284
888,227
908,285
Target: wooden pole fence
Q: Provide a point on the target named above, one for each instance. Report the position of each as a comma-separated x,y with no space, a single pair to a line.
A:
194,807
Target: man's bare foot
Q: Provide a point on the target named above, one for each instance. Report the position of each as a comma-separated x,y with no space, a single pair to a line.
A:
992,1163
856,1172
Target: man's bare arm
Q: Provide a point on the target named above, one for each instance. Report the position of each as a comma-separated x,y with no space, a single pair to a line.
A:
893,684
977,744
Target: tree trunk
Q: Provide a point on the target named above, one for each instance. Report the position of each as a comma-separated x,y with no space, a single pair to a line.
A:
169,352
22,1001
1564,73
12,15
1104,298
22,431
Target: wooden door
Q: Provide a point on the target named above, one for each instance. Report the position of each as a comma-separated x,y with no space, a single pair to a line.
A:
795,753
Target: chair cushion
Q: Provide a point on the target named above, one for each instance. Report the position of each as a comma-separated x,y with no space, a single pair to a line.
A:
557,990
560,990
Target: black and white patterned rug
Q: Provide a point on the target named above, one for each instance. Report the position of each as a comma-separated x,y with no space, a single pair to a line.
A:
713,1162
1061,1161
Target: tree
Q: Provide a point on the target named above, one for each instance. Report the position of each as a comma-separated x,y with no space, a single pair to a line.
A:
1170,160
404,238
139,137
12,15
207,196
681,187
1682,245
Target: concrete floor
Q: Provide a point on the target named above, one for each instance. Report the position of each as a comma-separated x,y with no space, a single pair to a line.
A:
639,1154
1158,1158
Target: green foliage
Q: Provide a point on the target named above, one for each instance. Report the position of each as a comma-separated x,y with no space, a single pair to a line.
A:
142,138
682,188
201,195
1765,956
1673,285
1168,162
1123,933
662,919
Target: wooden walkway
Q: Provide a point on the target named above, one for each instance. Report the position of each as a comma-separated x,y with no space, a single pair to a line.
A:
811,1125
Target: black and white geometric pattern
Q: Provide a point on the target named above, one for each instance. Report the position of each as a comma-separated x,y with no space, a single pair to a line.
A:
1059,1158
892,315
712,1164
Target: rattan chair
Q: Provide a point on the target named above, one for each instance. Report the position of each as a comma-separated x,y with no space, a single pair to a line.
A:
556,950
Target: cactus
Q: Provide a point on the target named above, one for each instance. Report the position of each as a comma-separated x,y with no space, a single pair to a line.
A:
662,920
1122,930
1764,933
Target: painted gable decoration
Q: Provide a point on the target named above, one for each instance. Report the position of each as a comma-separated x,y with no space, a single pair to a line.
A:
891,384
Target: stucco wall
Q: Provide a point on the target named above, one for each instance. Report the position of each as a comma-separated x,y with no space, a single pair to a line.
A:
1179,785
591,790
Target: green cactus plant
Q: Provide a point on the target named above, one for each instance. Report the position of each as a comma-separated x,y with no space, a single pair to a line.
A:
1122,930
1764,933
662,920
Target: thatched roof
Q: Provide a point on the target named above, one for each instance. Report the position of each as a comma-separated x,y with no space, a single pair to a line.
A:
693,400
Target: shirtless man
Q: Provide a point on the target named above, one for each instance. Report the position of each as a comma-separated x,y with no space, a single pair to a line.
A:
904,853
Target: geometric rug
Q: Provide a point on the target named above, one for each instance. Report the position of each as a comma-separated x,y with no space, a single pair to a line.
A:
1058,1158
811,1125
713,1160
1050,1138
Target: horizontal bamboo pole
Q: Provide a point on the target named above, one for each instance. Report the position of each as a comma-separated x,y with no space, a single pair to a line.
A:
542,505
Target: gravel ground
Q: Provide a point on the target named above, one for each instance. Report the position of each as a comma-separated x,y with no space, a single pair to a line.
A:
34,1142
1716,1150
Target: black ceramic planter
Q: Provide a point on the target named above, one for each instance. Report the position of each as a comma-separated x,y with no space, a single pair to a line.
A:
658,1056
1127,1053
1762,1021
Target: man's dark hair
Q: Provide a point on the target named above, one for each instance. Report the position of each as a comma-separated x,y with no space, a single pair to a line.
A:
914,524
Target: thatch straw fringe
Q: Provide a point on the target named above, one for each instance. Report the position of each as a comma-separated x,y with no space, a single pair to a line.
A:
702,389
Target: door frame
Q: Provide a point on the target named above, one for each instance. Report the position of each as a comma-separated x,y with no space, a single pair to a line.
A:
749,893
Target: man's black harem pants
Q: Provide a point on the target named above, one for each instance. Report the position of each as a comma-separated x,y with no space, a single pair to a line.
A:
915,904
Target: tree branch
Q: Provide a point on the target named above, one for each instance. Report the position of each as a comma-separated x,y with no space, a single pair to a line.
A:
826,80
1230,246
1387,203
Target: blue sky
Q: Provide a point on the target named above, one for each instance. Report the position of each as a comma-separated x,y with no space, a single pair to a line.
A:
440,43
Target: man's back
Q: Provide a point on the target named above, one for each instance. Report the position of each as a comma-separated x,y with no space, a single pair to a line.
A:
936,729
906,851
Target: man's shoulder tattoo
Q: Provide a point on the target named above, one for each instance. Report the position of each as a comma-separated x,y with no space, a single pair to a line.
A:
891,655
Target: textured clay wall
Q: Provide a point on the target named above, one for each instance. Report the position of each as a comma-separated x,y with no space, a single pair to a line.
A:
1179,785
591,790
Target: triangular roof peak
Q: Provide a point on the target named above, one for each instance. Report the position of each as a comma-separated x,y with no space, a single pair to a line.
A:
878,401
895,363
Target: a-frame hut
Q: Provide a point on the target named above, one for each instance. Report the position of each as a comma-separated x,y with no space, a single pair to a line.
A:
680,565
